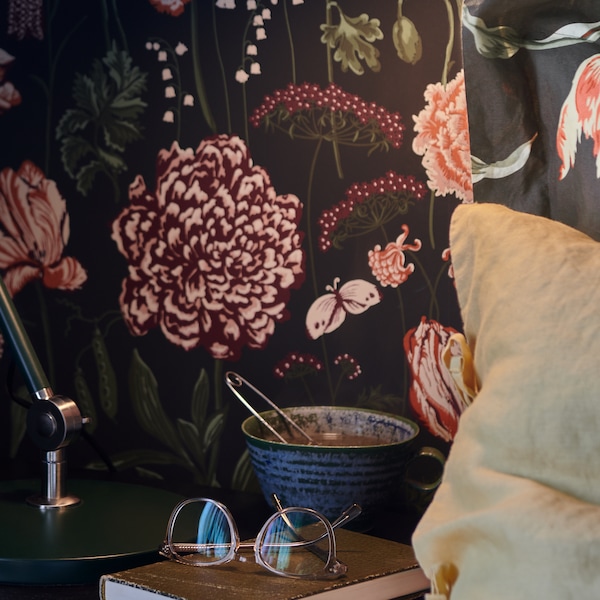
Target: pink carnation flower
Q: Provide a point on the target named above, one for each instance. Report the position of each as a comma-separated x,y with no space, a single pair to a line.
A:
443,139
389,265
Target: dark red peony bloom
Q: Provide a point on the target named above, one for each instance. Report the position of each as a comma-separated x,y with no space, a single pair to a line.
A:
433,394
213,253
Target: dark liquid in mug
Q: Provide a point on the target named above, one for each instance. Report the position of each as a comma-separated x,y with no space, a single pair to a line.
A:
333,439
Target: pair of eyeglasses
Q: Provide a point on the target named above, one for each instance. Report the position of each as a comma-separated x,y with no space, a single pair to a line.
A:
294,542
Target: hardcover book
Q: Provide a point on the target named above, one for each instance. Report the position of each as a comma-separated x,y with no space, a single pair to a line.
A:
378,569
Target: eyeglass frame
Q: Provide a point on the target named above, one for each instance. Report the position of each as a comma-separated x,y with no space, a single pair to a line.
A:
333,568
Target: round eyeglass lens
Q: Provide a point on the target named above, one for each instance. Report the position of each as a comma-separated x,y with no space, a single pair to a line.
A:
295,543
202,533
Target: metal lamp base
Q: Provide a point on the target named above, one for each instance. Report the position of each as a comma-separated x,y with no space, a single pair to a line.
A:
115,526
44,503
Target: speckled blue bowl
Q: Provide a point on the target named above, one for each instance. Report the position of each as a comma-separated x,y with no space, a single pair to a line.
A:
330,478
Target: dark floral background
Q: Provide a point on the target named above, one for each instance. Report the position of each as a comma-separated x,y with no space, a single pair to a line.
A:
189,187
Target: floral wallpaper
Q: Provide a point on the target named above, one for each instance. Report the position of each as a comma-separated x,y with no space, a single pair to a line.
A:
189,187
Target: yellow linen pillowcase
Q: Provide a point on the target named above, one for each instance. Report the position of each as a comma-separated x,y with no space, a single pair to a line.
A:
518,512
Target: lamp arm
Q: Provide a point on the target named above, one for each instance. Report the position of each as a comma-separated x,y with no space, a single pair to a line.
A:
52,420
13,330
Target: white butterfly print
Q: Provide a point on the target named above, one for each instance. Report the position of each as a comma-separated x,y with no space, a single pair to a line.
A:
329,311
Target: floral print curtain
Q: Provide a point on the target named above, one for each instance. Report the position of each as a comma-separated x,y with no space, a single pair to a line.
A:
533,93
189,187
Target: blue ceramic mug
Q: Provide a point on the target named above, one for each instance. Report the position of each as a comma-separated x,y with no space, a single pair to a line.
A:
366,464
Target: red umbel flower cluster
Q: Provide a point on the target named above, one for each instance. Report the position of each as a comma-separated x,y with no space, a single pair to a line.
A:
297,364
310,96
349,365
394,188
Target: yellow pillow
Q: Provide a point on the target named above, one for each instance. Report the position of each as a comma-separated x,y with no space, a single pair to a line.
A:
518,512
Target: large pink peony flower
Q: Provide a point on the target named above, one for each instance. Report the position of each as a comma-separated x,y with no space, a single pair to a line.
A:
213,253
34,230
433,394
443,139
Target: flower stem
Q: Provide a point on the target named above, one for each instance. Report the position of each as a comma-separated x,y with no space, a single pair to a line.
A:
311,254
200,89
311,249
174,63
327,369
336,148
244,98
307,390
450,45
289,32
107,35
435,287
218,398
245,105
120,27
337,387
52,67
431,210
222,67
402,321
398,291
105,22
434,302
218,383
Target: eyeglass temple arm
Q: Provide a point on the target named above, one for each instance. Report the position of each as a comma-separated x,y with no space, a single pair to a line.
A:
350,513
347,515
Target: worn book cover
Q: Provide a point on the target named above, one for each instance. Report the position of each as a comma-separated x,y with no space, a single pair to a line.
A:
378,569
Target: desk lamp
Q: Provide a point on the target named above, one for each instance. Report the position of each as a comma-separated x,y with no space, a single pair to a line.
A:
49,536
